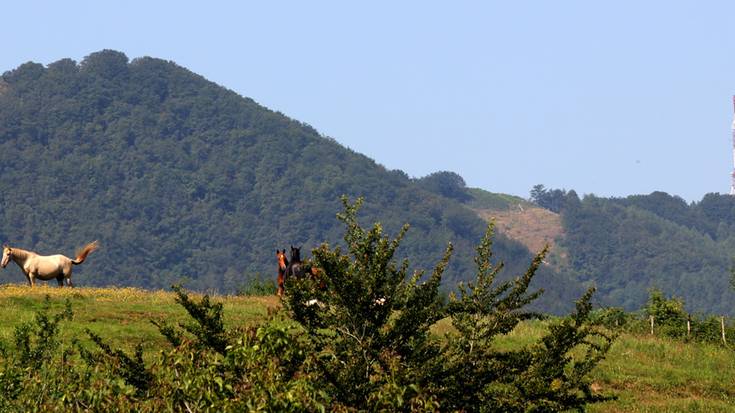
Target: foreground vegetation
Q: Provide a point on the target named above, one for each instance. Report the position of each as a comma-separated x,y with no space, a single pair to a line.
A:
121,315
365,338
647,373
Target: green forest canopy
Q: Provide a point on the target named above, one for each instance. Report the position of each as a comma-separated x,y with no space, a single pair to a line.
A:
626,246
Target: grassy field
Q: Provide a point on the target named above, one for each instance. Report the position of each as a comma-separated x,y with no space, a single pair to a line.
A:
119,315
653,374
648,374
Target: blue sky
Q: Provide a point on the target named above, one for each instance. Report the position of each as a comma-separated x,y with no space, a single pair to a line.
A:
611,99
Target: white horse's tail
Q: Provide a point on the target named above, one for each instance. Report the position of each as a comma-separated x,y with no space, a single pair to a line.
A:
82,254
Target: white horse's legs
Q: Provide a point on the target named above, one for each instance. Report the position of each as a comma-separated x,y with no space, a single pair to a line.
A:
65,277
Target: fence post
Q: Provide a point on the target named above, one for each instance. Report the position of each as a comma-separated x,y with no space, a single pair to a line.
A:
651,318
722,326
689,326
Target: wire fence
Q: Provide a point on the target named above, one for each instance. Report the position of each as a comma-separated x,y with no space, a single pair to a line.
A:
712,329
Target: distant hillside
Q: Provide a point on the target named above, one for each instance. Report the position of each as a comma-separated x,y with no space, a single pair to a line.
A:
481,199
625,246
183,180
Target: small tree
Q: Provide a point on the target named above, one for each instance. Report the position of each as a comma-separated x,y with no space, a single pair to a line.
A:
552,199
35,352
370,325
668,314
477,376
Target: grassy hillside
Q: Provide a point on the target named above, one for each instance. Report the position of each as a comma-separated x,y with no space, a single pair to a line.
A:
523,222
657,374
533,227
647,373
121,315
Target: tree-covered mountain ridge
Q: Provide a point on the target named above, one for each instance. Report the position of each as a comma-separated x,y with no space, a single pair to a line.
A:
627,246
183,180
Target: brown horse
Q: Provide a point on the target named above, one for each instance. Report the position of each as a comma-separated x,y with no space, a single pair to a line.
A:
282,267
45,267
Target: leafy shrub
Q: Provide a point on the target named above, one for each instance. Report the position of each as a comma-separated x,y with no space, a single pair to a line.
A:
611,317
36,357
707,329
257,286
668,314
670,320
369,329
261,368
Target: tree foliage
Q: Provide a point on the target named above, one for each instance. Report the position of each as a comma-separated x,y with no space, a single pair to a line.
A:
447,184
551,199
370,331
668,314
626,246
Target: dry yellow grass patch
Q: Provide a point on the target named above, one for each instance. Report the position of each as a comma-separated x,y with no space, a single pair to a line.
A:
124,294
533,227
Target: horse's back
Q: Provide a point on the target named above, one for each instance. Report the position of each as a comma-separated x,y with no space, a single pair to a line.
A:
295,270
50,266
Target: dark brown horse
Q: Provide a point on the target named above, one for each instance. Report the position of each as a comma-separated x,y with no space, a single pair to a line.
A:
282,267
299,269
295,267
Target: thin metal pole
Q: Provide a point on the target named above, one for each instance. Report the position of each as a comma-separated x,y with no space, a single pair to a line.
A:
722,325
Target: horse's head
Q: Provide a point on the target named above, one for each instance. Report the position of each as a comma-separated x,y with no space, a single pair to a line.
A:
7,253
282,260
295,254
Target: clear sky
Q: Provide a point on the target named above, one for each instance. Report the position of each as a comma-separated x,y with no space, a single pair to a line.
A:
613,99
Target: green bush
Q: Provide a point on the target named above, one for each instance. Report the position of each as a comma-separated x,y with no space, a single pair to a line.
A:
670,320
668,314
369,329
612,317
707,329
258,286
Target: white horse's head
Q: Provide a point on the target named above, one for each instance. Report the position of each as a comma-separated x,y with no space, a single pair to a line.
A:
7,253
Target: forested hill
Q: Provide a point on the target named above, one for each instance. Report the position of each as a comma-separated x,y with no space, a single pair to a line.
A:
626,246
183,180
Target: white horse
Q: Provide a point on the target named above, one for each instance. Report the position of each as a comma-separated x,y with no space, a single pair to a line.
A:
45,267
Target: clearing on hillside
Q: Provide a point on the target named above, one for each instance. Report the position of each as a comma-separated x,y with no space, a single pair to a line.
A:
532,226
